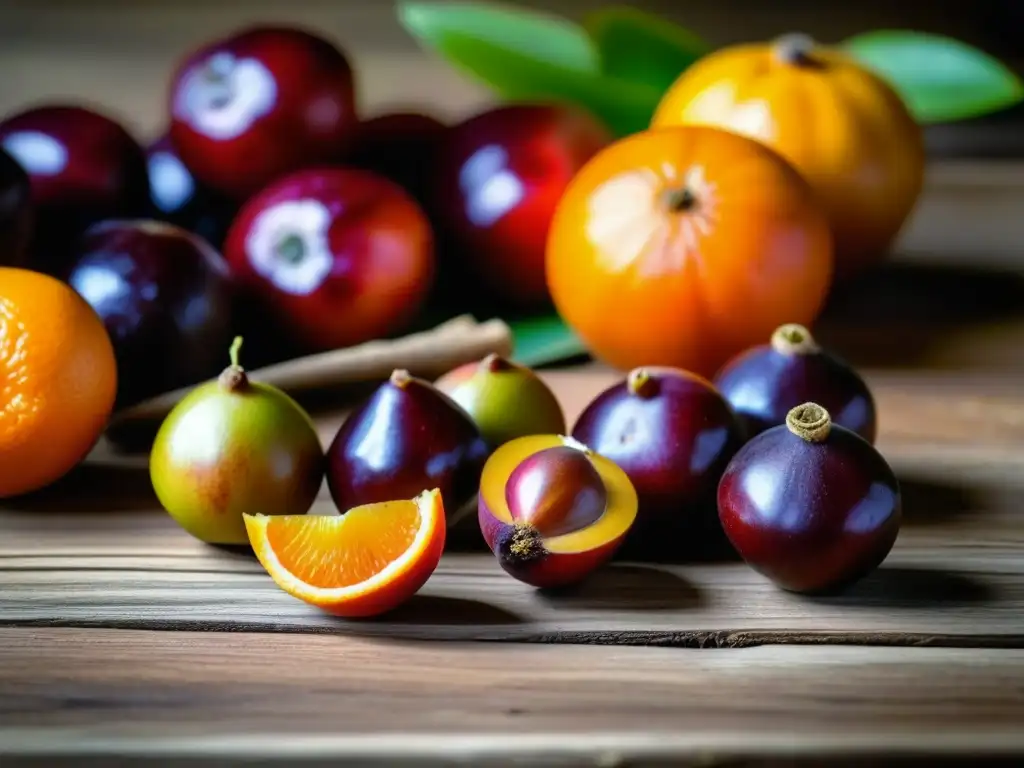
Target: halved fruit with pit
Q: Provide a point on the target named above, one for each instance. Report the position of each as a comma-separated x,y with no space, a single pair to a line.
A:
363,563
551,510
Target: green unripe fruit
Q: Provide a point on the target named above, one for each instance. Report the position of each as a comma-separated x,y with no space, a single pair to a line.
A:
505,399
233,446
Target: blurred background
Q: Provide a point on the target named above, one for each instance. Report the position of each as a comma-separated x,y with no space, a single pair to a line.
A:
118,52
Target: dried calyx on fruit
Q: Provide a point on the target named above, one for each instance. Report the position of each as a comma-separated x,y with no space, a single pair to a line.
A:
552,510
234,446
810,504
505,399
763,383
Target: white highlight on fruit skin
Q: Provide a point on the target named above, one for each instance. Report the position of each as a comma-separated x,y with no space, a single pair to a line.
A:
38,153
247,88
490,187
628,223
718,106
172,183
309,220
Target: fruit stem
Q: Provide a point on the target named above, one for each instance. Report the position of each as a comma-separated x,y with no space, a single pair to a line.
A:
680,200
795,48
400,377
233,377
639,382
494,363
793,339
809,422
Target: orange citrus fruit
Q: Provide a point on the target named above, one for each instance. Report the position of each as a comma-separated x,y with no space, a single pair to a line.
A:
58,380
841,126
682,246
365,562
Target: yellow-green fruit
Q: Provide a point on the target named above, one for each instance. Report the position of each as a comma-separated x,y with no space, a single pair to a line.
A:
233,446
505,399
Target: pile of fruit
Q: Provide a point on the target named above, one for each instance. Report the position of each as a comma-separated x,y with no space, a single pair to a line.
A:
693,254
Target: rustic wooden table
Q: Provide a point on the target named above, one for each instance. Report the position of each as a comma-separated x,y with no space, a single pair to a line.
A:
124,642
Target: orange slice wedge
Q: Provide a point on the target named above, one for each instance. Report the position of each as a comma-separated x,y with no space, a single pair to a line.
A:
362,563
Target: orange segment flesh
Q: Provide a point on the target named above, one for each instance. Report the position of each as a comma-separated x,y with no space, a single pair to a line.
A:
332,552
330,560
618,515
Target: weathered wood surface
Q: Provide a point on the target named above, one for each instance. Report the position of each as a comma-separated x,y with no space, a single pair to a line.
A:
203,697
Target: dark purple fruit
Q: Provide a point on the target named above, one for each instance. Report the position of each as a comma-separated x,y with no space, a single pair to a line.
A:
406,438
84,167
810,505
763,383
178,198
400,146
165,297
673,434
15,211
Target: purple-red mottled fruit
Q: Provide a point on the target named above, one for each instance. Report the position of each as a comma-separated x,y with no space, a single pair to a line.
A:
810,505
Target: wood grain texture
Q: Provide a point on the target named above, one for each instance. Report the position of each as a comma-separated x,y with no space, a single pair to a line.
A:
306,700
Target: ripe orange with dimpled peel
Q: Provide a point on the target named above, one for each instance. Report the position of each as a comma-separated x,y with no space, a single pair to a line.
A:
841,126
58,380
683,246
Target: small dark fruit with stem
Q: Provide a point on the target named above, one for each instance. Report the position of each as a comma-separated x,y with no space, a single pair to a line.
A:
83,166
15,211
260,103
500,175
179,199
407,437
809,504
165,296
673,434
551,510
235,446
764,383
338,256
505,399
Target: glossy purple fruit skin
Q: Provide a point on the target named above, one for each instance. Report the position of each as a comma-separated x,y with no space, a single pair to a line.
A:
165,297
403,440
15,211
763,384
83,166
674,443
179,199
811,517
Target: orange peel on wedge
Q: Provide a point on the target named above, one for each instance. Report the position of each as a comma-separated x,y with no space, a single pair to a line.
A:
362,563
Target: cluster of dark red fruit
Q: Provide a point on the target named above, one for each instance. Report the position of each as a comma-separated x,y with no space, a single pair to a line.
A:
774,459
334,229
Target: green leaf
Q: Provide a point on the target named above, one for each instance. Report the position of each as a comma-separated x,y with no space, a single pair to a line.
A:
526,73
543,340
538,36
642,47
939,78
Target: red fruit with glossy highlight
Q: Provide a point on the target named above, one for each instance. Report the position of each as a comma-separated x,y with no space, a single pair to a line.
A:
338,256
260,103
500,175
